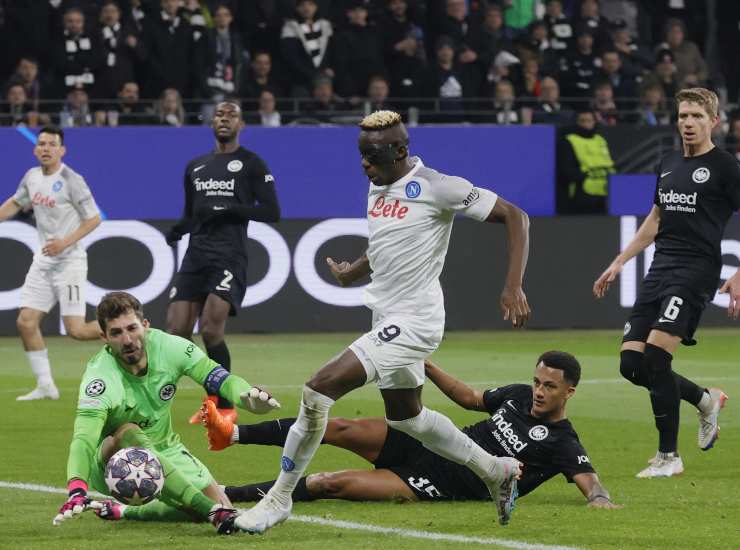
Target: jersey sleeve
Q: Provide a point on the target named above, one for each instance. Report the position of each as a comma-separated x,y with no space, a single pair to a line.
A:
458,195
22,196
494,398
262,182
571,459
656,198
732,185
82,198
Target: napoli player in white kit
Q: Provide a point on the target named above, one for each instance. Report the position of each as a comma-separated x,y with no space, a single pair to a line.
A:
410,213
65,212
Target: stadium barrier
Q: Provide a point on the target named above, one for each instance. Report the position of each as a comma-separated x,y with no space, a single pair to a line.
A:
291,290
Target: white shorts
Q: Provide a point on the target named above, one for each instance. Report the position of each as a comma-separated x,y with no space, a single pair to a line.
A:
394,350
64,282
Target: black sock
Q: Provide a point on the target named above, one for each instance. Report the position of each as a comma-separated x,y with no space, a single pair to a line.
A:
255,492
689,390
271,432
220,354
665,396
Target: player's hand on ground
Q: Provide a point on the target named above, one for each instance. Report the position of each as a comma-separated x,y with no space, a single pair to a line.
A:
54,247
514,306
732,288
258,401
340,271
603,502
601,286
75,505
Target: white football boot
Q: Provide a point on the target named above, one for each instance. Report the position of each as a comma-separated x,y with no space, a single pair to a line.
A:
663,465
47,391
709,419
502,484
267,513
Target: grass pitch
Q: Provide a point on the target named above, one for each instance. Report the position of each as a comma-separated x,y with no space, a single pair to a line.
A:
700,509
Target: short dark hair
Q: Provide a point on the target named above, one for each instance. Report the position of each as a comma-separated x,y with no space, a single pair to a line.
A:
564,361
115,304
53,130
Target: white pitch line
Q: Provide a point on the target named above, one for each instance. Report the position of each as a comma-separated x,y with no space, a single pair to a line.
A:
351,525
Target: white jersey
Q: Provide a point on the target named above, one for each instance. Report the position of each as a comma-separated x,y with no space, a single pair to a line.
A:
61,202
410,222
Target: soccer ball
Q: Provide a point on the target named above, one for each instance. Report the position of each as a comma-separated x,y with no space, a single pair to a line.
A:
134,476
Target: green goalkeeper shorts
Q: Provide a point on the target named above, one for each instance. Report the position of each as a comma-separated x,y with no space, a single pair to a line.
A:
178,455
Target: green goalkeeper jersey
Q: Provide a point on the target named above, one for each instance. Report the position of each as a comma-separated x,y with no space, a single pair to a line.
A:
110,396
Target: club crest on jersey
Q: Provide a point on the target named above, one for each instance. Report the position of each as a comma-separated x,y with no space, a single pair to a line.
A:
167,392
700,175
57,185
538,433
413,189
235,166
95,388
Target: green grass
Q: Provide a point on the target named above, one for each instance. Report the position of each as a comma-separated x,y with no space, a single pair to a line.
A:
613,418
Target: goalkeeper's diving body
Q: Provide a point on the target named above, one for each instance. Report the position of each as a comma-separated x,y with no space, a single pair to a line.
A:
124,401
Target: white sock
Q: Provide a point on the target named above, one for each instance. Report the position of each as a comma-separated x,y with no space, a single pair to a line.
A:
304,438
438,434
235,434
705,402
39,361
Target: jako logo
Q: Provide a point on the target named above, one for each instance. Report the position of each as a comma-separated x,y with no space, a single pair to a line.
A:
505,430
671,197
389,210
214,185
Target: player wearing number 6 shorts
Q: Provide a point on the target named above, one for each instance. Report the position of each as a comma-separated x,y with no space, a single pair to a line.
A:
224,189
697,191
65,212
410,211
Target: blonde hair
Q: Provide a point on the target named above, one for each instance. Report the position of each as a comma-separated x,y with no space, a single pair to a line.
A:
380,120
707,99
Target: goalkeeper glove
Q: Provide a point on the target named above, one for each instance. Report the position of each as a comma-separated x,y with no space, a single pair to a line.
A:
259,401
77,502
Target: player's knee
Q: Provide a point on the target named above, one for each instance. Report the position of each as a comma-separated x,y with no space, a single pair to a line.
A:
340,429
212,335
25,323
76,332
657,360
632,367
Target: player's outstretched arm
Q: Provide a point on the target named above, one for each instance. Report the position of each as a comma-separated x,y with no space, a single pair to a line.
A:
514,304
457,390
9,209
594,491
54,247
347,273
732,287
642,239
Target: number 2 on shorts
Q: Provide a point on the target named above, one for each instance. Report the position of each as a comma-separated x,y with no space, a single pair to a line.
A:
225,283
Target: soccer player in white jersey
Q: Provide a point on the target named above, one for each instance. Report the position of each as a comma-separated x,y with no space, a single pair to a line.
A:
65,212
410,213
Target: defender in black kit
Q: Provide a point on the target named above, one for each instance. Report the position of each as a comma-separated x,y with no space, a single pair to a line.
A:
224,190
697,191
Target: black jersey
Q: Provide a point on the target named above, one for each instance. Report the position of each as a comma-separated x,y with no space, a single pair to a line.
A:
227,190
545,448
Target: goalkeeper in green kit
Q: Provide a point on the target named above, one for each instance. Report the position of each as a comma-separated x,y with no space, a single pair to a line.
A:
124,401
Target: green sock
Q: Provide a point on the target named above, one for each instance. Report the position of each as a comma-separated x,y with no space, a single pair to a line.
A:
155,511
176,487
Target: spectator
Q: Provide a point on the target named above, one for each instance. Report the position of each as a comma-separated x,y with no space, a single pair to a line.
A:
520,13
267,114
549,110
198,17
76,56
76,110
505,110
168,110
491,37
530,84
450,82
590,17
457,27
665,74
134,15
18,111
403,50
123,50
260,23
130,111
603,104
652,110
623,85
559,27
261,77
325,104
305,43
27,75
583,167
691,67
579,67
222,66
357,53
171,51
635,59
378,91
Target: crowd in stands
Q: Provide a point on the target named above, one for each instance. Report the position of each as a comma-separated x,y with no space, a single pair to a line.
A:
167,62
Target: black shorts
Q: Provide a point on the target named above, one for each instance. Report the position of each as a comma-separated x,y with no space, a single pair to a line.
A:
428,475
198,277
675,311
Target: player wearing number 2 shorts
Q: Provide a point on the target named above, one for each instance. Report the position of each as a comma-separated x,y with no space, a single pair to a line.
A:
224,190
410,211
697,191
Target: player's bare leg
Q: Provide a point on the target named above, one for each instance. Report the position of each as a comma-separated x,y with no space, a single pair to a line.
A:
341,375
78,329
212,329
181,318
29,328
405,412
379,485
